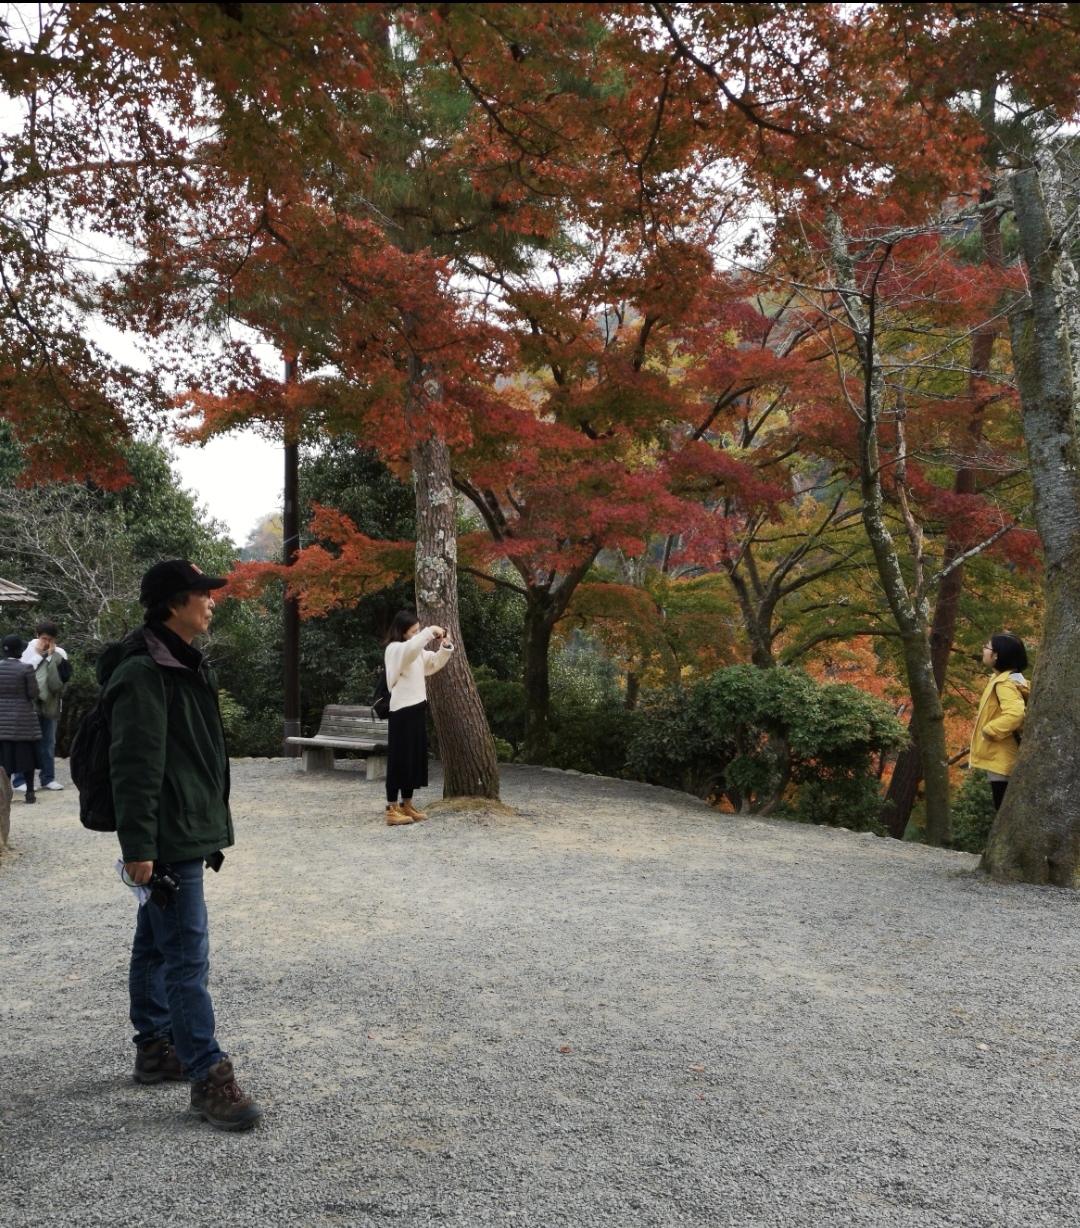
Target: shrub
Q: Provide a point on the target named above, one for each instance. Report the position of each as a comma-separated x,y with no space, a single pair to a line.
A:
259,734
591,730
851,799
504,705
504,752
973,813
756,735
233,716
591,737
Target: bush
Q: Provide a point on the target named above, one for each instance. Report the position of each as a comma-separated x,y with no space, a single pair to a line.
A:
591,730
758,736
504,705
259,734
233,716
973,813
591,738
851,800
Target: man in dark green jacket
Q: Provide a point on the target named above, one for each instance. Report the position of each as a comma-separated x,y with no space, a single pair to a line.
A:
170,782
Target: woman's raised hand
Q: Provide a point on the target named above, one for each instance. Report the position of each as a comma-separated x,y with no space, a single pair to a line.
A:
439,632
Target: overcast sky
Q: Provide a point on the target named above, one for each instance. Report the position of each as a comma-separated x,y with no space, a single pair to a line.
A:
239,478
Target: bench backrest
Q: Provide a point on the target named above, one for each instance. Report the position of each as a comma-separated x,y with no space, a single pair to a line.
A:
347,721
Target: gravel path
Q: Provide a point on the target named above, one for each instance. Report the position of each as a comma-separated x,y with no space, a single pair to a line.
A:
613,1007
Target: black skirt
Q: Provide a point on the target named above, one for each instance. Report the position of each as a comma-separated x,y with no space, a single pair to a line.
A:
406,756
24,757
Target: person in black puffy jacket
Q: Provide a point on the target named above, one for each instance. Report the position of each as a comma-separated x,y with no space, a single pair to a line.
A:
20,729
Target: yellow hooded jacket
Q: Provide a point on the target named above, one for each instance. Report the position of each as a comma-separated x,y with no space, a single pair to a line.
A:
1000,716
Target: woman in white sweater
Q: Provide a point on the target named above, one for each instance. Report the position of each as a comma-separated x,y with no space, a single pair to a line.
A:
409,660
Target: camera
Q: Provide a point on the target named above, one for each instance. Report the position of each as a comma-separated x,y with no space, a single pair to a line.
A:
163,885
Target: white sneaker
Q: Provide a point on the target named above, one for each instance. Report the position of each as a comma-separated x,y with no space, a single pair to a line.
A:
53,785
20,788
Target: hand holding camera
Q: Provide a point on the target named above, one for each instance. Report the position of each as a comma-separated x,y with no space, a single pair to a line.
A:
441,637
161,882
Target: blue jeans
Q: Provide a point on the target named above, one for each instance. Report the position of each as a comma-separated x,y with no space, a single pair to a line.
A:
47,751
170,968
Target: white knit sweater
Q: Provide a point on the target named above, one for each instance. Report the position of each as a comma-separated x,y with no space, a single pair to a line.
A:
408,663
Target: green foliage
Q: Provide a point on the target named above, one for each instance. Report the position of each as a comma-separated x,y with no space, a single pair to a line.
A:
492,623
232,715
849,799
504,704
591,729
340,654
591,737
756,735
341,475
84,549
11,457
973,813
504,752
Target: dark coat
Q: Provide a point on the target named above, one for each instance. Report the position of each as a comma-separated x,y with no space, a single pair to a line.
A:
18,690
167,757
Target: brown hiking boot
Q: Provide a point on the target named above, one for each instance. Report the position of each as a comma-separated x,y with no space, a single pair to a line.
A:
396,817
219,1100
414,814
157,1063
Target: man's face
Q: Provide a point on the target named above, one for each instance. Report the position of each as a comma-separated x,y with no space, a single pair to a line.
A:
46,645
194,618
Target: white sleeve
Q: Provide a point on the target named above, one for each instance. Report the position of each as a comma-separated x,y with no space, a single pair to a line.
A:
434,661
392,663
400,655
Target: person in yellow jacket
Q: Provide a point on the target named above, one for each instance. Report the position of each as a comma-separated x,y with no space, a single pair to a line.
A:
1000,719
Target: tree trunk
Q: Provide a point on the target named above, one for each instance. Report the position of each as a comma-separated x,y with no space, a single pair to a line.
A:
633,690
536,746
757,617
911,616
929,721
1036,837
546,605
467,749
907,775
903,787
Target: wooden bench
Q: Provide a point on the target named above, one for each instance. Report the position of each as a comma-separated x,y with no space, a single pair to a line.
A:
346,728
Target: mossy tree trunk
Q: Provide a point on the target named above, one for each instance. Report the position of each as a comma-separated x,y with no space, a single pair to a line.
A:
467,749
1036,836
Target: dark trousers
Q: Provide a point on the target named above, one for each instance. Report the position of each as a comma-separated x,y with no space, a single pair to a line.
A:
170,969
997,789
46,755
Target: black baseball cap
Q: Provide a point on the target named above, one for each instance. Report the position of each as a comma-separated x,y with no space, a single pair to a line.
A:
165,580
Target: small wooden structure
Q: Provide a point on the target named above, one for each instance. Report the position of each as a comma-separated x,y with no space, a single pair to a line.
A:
15,594
346,728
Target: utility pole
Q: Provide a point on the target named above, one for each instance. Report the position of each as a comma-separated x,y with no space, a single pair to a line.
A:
290,532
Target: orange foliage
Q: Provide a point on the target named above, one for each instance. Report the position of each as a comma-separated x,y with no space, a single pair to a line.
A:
322,580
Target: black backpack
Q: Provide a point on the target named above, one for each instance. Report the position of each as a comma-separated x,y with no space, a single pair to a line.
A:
89,764
380,700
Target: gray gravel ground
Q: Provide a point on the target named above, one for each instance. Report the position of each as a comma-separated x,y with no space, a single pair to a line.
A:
614,1007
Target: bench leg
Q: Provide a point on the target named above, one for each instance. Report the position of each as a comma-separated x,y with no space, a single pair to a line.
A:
376,767
318,759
